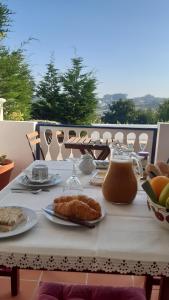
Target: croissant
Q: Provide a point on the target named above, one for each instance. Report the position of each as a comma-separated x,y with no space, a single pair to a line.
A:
91,202
63,199
83,207
76,209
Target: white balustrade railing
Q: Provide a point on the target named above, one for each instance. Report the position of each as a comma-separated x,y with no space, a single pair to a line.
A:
14,144
142,137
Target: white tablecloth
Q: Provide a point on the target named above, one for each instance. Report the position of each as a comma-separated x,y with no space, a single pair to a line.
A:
126,240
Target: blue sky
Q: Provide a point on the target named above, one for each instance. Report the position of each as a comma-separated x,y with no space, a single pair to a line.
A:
125,42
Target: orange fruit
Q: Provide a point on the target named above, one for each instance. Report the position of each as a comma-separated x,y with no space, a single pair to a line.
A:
158,183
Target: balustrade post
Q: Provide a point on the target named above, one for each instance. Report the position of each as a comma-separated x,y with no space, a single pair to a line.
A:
2,101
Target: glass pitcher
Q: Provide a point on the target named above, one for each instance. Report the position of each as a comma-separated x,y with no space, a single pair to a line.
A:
120,184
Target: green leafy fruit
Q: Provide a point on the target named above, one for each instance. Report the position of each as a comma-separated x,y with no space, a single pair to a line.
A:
167,203
148,189
164,195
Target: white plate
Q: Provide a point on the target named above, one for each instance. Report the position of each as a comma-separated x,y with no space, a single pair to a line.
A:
25,181
30,221
65,222
39,181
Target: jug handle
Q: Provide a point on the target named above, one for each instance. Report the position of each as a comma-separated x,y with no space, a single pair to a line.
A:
138,163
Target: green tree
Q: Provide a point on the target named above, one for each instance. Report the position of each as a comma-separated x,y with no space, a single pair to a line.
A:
5,20
120,111
16,83
79,97
145,116
49,99
163,111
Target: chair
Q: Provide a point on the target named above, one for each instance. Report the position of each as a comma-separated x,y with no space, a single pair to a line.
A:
34,144
58,291
13,273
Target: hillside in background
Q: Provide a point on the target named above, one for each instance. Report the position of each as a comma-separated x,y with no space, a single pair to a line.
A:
147,101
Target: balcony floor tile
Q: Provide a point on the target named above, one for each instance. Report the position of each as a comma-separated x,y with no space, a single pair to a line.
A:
69,277
27,289
109,279
30,280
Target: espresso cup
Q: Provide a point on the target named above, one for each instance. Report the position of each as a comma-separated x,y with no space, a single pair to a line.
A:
40,172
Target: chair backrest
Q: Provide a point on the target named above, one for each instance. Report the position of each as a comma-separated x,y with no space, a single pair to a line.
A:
34,141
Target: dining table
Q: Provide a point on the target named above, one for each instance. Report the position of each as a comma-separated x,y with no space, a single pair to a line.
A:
98,149
127,240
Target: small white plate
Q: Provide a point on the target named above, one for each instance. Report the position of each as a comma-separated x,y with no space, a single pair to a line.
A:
39,181
61,221
23,179
30,221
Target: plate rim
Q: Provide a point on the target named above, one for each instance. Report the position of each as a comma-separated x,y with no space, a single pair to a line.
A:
41,181
23,227
54,219
57,179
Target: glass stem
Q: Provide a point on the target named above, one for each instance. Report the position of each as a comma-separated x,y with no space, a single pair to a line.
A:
74,170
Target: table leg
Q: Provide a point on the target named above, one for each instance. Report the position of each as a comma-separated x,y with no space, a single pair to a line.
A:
103,155
164,289
88,151
14,281
148,284
82,151
91,153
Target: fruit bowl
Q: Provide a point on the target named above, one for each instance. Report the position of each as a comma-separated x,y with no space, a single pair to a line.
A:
159,213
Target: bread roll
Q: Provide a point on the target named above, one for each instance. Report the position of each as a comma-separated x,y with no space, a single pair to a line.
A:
152,170
163,167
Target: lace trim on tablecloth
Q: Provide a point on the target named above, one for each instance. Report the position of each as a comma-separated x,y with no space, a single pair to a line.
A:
79,264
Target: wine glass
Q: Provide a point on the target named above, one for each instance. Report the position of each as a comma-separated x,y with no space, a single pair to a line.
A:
73,185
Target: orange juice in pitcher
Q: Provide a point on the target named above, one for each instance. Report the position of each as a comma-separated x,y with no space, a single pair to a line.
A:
120,184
